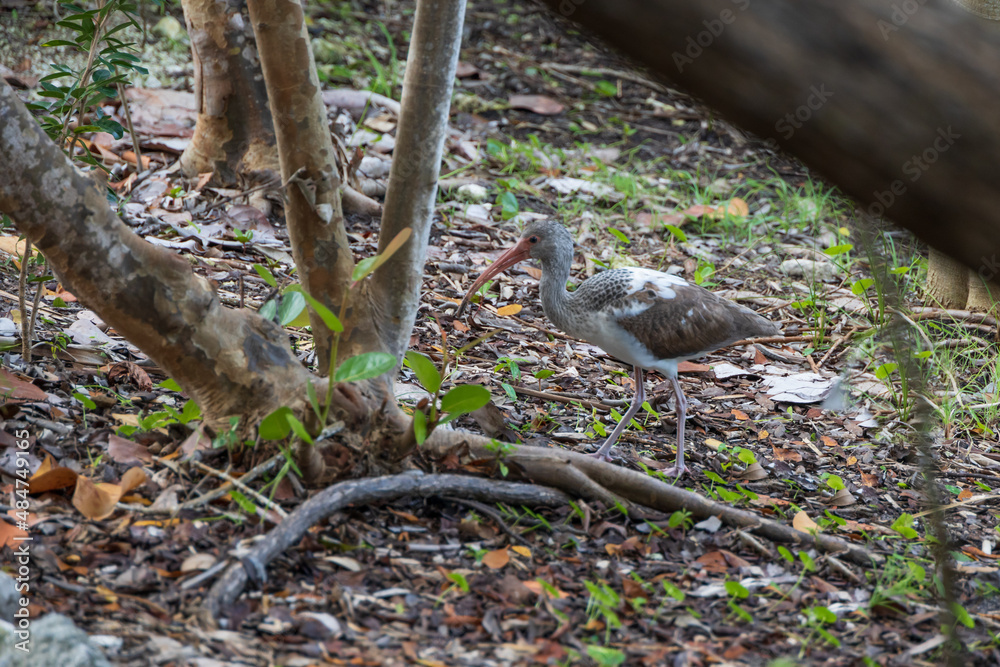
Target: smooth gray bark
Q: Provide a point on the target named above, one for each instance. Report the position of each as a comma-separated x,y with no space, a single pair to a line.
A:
423,124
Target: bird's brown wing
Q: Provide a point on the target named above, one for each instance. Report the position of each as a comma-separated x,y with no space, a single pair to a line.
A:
690,323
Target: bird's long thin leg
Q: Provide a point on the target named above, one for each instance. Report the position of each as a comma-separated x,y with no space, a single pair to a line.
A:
680,410
637,401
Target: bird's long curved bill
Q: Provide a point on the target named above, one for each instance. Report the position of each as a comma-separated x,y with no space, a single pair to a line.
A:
516,253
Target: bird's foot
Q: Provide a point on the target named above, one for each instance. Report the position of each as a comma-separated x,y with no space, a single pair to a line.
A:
606,457
675,471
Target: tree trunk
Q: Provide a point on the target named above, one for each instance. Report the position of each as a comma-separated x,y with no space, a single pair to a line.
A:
234,136
416,165
983,295
947,280
308,165
231,362
898,109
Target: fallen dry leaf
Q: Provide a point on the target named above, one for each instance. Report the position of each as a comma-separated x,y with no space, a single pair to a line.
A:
496,559
128,452
507,311
802,523
10,534
97,501
540,104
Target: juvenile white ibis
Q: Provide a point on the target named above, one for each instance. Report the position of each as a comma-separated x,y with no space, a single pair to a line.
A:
645,318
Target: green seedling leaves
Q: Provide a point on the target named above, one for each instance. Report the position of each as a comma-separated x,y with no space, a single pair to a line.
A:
275,426
420,426
85,400
427,373
618,234
861,286
885,370
331,321
170,384
298,427
904,526
676,232
364,366
266,274
508,205
839,249
292,305
464,399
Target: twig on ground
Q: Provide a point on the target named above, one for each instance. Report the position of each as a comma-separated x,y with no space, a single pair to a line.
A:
560,398
928,313
253,474
263,500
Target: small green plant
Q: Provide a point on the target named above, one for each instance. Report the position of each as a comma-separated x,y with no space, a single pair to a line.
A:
816,618
736,592
87,404
604,602
441,409
280,423
163,418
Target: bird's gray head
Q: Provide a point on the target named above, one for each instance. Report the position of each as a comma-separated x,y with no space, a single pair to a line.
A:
548,239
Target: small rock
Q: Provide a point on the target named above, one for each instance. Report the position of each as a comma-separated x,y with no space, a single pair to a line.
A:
473,192
8,597
54,642
809,268
7,327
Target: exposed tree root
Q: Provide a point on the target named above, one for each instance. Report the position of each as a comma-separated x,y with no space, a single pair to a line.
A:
362,491
581,475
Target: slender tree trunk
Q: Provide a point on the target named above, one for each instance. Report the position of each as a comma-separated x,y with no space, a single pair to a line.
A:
898,109
423,123
308,164
234,135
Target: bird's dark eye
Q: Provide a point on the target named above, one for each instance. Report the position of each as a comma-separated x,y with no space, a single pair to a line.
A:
532,239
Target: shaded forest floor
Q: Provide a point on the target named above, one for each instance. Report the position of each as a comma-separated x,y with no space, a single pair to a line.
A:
813,430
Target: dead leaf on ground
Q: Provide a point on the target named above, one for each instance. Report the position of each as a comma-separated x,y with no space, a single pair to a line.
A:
127,451
97,501
801,522
496,559
540,104
10,535
508,310
14,388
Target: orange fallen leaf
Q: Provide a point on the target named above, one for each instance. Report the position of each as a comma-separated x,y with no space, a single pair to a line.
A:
785,454
521,551
10,534
508,310
738,207
739,414
97,501
496,559
12,246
